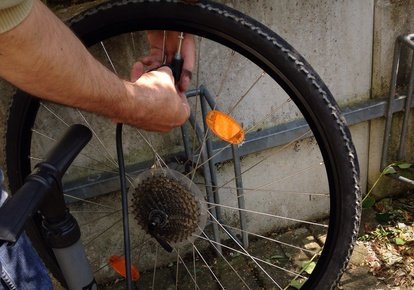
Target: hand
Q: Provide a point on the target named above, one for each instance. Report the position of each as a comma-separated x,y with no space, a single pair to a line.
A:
153,102
155,57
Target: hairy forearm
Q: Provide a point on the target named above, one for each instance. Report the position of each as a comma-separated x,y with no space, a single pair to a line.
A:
44,58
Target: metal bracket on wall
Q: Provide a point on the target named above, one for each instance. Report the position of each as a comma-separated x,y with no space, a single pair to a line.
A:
402,173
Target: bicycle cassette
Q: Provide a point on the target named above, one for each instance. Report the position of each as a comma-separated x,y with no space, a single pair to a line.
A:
168,206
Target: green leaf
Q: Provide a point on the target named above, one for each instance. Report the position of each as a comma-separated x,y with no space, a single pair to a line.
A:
399,241
383,218
296,284
235,255
368,202
389,170
309,267
278,257
405,165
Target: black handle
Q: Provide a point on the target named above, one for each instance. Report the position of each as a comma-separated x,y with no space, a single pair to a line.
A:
46,179
177,67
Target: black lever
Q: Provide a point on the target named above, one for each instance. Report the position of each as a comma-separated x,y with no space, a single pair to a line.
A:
45,179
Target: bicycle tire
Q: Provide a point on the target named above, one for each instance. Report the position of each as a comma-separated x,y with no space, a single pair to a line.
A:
267,50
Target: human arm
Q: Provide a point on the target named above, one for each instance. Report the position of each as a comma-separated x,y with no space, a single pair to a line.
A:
43,57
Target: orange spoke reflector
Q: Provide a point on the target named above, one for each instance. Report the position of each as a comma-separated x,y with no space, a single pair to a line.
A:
225,127
118,264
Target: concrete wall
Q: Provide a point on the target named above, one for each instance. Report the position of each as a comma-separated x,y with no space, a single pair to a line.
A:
391,19
349,43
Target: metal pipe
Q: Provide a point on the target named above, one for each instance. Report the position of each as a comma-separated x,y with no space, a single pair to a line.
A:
207,180
393,85
209,149
404,130
240,195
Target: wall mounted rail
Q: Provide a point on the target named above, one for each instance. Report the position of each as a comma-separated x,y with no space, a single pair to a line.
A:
402,42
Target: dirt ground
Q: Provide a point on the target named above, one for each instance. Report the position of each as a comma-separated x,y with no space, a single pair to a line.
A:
383,257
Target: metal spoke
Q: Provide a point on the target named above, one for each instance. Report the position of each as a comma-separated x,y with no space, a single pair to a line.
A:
114,168
88,125
176,270
98,219
134,50
155,267
43,134
100,268
91,211
199,156
80,154
244,250
112,158
208,266
94,169
270,239
198,166
194,268
101,233
229,145
267,116
291,175
157,156
265,214
90,202
224,78
228,263
265,158
109,58
194,131
185,266
246,93
54,114
35,158
269,190
251,257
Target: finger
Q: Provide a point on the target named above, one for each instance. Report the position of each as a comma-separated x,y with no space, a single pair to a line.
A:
167,71
151,62
137,71
188,54
186,107
185,80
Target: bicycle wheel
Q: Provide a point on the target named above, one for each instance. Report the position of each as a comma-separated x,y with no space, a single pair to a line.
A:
279,210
